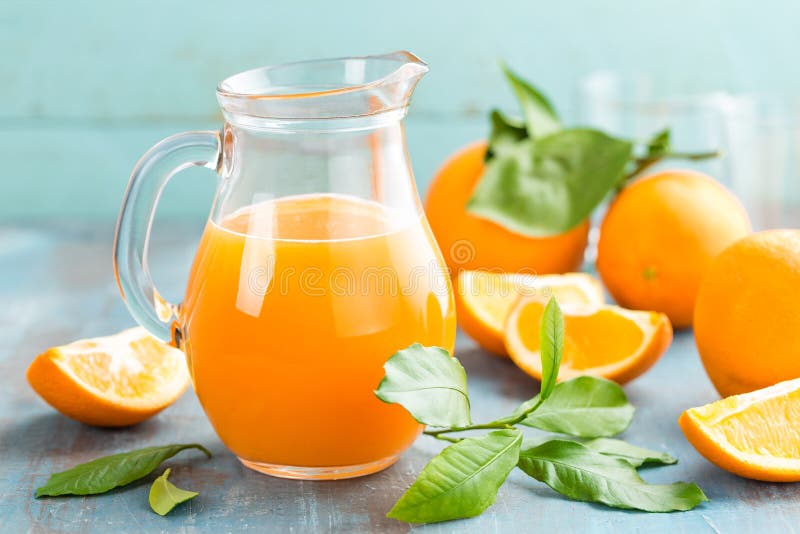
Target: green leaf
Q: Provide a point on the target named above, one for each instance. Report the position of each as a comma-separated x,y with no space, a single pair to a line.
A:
540,116
551,185
586,407
164,495
505,133
109,472
462,481
429,383
616,448
579,473
659,145
551,346
636,456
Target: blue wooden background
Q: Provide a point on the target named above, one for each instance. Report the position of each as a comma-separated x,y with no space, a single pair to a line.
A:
87,86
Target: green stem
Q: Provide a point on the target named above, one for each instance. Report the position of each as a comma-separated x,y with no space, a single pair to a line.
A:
447,438
496,425
693,156
523,415
642,164
501,424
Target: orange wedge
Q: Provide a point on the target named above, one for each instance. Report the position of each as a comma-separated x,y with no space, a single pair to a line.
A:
118,380
606,341
484,299
754,435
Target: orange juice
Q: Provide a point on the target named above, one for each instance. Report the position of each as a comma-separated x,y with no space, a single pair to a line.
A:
292,308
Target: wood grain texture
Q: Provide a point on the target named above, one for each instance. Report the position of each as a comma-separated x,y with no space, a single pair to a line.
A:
82,171
86,87
152,60
56,285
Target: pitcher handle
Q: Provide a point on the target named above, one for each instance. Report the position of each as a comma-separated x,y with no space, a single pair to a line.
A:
152,172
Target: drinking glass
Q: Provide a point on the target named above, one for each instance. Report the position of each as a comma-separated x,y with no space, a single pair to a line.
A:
635,107
762,157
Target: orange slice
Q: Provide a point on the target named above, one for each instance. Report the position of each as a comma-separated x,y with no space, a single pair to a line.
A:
118,380
484,299
754,435
606,341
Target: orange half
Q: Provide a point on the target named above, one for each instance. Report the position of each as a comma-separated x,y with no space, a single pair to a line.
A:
117,380
754,435
606,341
484,299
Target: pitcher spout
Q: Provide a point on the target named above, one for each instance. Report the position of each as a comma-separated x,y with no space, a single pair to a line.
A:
337,88
409,72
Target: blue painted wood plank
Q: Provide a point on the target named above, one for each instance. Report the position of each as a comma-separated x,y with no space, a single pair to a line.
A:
150,60
56,285
86,87
82,171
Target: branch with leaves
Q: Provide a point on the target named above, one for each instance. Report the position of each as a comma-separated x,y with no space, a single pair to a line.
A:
463,480
542,178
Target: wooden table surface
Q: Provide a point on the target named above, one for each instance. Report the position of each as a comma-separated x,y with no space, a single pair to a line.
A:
56,286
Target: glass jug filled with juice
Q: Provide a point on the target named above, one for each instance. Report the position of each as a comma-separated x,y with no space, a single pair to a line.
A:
316,265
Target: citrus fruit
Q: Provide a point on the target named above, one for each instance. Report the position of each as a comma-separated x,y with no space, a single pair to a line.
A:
118,380
469,242
483,299
754,435
659,236
746,319
599,340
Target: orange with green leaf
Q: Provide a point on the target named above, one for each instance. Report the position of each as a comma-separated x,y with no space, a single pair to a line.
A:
521,201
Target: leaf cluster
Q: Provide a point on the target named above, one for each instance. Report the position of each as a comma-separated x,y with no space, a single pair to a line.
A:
463,480
542,178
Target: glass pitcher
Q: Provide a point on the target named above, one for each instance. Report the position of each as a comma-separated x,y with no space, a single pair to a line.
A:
316,264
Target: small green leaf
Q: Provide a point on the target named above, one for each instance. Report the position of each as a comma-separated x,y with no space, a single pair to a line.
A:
505,133
462,481
636,456
429,383
551,185
551,346
164,495
540,116
109,472
586,407
659,145
579,473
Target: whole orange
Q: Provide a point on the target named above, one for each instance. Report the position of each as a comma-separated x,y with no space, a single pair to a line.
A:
746,322
469,242
659,237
